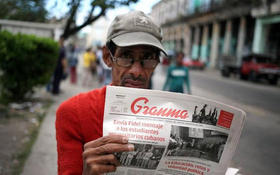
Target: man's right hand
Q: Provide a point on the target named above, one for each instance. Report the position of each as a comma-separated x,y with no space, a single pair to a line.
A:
98,155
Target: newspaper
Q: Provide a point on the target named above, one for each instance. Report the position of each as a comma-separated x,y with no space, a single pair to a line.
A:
172,133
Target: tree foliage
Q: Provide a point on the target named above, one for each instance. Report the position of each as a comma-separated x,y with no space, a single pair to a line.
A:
23,10
244,2
98,8
26,61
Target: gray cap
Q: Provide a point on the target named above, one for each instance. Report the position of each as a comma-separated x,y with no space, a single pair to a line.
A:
135,28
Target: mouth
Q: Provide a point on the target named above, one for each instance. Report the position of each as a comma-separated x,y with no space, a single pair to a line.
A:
134,83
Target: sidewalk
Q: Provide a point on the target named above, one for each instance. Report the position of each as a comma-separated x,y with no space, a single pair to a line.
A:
43,157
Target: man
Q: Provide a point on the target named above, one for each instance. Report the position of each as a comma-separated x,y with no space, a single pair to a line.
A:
202,113
132,51
147,155
72,63
154,160
60,68
106,73
130,156
176,76
89,66
139,158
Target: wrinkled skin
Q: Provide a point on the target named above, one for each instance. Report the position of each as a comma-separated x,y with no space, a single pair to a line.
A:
134,76
98,155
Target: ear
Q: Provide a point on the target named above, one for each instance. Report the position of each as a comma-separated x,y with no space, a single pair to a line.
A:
106,56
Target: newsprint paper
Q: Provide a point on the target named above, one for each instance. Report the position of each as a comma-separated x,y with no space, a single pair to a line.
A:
172,133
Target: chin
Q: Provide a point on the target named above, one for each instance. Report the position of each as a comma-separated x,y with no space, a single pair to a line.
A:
135,86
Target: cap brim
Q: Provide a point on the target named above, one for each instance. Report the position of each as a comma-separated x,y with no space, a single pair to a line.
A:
138,38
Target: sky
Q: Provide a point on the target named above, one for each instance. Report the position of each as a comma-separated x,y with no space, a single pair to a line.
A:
95,32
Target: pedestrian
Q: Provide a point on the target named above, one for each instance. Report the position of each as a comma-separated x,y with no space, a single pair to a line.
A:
153,162
89,66
106,74
99,58
123,157
72,63
129,158
177,75
132,52
103,71
202,113
146,158
60,68
139,158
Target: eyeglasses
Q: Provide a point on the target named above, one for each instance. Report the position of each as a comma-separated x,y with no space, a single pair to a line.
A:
123,61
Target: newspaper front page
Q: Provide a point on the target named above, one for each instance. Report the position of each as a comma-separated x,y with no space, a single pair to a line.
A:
172,133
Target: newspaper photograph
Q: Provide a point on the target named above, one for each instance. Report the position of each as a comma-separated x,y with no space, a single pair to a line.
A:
172,133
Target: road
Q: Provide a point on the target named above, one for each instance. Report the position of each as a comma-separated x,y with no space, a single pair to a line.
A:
258,150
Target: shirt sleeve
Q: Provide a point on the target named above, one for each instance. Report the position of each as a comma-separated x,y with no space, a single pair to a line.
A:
69,140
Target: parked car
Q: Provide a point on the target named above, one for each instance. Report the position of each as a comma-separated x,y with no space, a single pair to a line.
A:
166,60
228,65
253,67
256,66
194,64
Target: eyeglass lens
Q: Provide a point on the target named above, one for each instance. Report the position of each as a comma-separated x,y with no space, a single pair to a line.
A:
126,62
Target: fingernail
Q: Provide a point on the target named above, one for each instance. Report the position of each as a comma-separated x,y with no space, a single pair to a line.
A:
131,147
125,139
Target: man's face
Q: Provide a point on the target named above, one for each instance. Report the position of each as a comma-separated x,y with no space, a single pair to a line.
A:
179,59
61,42
136,75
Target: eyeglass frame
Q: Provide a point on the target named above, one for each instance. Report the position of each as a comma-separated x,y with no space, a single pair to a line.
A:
115,59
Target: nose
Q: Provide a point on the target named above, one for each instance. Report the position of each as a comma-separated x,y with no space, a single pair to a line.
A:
136,69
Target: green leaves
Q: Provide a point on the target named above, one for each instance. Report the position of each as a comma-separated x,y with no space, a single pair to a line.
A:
26,61
24,10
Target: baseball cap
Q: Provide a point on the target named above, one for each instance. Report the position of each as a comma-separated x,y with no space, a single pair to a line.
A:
135,28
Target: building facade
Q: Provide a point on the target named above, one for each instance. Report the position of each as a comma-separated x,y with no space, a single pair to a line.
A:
97,35
39,29
208,29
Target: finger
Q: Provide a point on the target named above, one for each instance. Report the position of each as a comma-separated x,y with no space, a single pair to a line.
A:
100,169
108,159
105,140
108,149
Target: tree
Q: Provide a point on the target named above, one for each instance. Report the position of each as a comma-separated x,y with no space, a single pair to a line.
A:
252,3
98,9
23,10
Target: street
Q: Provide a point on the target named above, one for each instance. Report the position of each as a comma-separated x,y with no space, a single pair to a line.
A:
258,150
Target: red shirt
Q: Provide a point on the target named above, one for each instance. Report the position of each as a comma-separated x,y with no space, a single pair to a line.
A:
78,121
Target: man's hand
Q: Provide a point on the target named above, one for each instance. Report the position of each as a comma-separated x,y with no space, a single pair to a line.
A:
98,155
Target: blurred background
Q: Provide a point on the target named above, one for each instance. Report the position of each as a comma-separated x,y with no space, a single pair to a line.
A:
231,48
